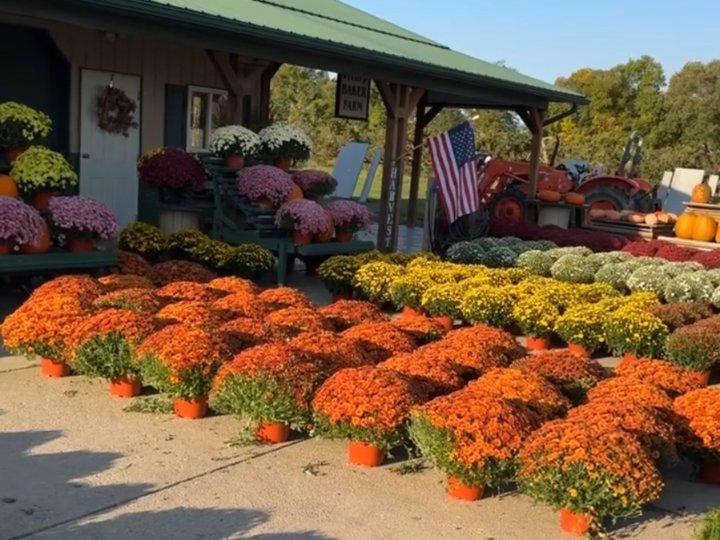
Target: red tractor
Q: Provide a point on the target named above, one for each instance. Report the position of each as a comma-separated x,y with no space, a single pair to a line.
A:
502,185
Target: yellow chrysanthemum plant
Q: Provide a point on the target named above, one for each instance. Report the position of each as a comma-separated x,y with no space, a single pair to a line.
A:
407,290
488,305
144,239
22,126
443,300
373,280
634,331
536,316
582,325
39,168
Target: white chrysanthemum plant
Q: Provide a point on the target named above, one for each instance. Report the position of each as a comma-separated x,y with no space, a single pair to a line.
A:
284,144
235,144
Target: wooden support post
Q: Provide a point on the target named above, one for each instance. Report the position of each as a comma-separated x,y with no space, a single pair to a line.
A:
243,80
400,102
423,117
533,119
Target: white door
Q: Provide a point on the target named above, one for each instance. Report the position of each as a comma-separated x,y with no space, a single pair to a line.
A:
108,161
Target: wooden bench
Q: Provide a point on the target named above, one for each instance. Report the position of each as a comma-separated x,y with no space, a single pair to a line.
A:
236,221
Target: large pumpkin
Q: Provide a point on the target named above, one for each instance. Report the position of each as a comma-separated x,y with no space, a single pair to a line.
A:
684,226
8,187
704,229
296,193
701,193
546,195
575,198
41,247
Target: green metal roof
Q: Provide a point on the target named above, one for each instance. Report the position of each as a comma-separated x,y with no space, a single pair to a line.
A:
332,22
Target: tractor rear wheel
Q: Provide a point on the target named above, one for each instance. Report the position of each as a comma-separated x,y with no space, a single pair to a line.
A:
508,205
608,198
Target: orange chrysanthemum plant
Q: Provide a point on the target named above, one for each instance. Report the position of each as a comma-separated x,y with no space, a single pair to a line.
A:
117,282
291,321
675,380
244,332
367,406
131,264
380,340
104,346
84,288
346,313
40,327
589,471
177,270
572,374
330,351
234,285
422,329
435,376
193,313
241,304
271,384
182,360
140,299
189,291
473,439
534,391
284,297
699,411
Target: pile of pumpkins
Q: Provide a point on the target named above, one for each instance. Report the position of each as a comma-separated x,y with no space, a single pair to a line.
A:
653,218
8,188
546,195
702,228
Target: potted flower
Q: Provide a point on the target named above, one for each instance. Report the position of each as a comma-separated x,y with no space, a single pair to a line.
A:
337,274
264,186
473,439
613,476
304,218
39,172
634,333
380,340
21,127
315,184
181,360
442,301
344,314
373,280
271,384
349,217
234,144
422,329
139,299
581,327
406,292
143,239
488,305
369,408
172,171
169,271
277,298
82,221
40,327
435,377
250,261
572,374
104,346
701,439
674,379
20,224
535,315
285,144
695,348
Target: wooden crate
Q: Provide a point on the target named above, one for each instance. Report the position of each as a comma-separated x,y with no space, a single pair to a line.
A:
641,230
704,209
702,246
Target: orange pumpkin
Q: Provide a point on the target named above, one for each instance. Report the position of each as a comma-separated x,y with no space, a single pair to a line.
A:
700,193
546,195
575,198
651,219
327,235
704,229
717,235
684,226
41,247
597,213
297,192
8,187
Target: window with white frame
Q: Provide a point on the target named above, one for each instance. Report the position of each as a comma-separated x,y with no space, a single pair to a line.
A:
206,111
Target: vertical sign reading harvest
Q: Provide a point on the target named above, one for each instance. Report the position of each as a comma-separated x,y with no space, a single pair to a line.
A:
352,97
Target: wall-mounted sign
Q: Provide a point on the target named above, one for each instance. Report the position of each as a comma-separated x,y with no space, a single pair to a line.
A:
352,97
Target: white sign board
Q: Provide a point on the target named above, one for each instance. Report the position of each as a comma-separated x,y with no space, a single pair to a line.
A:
352,97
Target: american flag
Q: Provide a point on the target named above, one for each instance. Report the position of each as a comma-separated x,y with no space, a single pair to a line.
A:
453,159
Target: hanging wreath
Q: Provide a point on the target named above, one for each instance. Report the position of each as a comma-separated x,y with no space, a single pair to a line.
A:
116,111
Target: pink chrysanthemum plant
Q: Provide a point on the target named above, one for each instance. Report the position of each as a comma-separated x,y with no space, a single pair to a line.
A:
171,168
82,217
264,185
314,183
349,216
20,223
301,215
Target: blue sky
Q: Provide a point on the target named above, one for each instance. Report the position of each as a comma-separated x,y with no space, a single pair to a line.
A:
556,37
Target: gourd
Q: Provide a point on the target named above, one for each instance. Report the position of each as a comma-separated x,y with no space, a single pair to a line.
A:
41,247
700,193
704,229
684,226
673,217
597,213
575,198
662,217
548,196
8,187
612,215
651,219
296,193
636,217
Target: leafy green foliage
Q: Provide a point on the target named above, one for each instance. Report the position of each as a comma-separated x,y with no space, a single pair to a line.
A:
108,356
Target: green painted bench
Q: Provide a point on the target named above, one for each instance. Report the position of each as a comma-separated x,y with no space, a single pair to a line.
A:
236,221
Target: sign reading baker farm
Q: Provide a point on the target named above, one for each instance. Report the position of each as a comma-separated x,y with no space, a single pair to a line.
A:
352,97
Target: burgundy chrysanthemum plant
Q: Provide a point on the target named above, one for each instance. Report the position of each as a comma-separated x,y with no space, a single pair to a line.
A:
264,184
20,223
82,217
349,215
306,217
315,183
172,168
